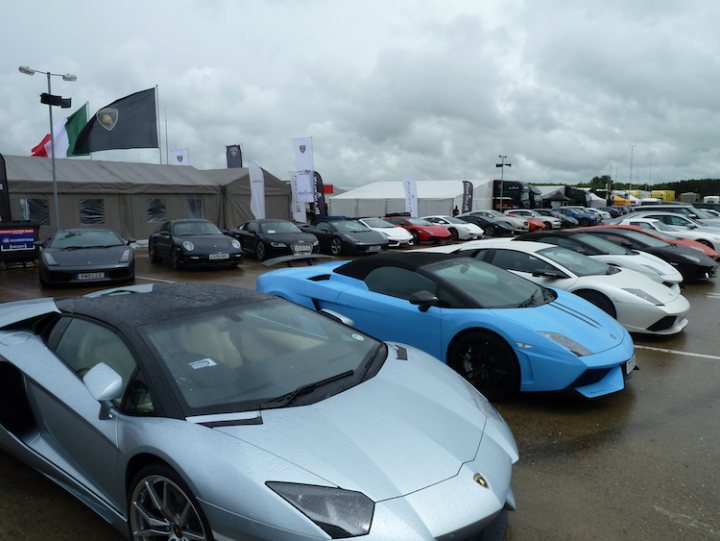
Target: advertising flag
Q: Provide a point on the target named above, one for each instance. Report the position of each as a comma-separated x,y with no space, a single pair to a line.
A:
320,204
297,207
233,153
303,154
65,135
257,191
4,194
411,200
467,196
130,122
179,157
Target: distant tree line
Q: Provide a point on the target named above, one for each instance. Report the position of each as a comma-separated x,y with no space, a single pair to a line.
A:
704,186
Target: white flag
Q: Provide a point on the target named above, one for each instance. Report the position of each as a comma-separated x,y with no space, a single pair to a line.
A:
411,200
257,191
179,157
305,183
303,154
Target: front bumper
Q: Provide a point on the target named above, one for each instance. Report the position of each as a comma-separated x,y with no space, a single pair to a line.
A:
65,275
650,319
188,259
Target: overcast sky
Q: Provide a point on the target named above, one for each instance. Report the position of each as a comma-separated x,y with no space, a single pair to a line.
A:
388,88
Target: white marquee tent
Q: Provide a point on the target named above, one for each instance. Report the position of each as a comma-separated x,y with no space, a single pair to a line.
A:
434,197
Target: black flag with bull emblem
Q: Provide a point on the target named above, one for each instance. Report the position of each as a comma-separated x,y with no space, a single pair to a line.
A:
130,122
467,196
4,194
234,156
320,204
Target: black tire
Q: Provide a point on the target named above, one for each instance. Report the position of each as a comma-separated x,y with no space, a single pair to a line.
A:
453,233
548,225
416,237
174,259
149,486
584,222
260,251
336,246
599,300
486,361
152,253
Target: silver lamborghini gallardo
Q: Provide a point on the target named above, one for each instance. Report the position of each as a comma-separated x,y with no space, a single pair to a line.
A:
201,412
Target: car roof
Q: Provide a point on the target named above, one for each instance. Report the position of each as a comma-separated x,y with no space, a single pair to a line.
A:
506,244
128,309
360,268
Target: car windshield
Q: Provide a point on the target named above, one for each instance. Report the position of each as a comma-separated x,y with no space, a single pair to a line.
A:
92,238
601,244
578,264
419,221
452,220
488,286
184,229
350,226
642,238
247,356
378,222
704,214
270,228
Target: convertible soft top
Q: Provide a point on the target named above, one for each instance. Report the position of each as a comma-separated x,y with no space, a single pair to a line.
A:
360,268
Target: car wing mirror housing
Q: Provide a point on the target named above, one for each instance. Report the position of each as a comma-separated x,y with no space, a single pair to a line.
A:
105,385
423,300
549,273
337,316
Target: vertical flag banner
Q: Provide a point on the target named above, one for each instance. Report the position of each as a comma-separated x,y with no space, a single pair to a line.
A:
411,199
467,196
4,194
303,154
130,122
233,153
320,204
257,191
179,157
297,207
65,135
305,186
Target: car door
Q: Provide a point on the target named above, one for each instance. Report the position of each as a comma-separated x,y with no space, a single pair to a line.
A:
70,414
385,311
323,231
248,236
163,240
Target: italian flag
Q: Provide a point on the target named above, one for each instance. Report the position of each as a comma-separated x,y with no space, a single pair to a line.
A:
65,134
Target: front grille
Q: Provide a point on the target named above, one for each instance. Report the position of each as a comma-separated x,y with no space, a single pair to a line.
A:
590,376
665,323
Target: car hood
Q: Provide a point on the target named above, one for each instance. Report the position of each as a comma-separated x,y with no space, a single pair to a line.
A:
628,279
207,242
290,238
394,233
412,425
435,230
89,256
572,317
642,262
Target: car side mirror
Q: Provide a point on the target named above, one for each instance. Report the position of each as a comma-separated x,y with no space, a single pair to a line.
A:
549,273
692,226
626,244
423,300
104,385
337,316
130,241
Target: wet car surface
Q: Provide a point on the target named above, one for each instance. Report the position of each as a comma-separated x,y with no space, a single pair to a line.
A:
641,464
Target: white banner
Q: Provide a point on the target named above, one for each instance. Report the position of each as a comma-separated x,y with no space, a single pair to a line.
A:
303,154
411,200
305,182
179,157
297,207
257,191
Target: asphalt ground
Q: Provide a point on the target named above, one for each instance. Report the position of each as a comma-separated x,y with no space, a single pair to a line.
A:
641,464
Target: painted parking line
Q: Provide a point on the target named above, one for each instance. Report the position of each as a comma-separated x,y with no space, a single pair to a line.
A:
676,352
149,279
713,296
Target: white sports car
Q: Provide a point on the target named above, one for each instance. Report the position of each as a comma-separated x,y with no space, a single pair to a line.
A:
459,229
640,304
395,235
678,226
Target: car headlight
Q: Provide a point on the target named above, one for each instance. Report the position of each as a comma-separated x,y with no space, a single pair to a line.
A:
125,257
189,246
235,244
692,258
652,269
567,343
698,248
277,244
339,513
49,259
315,243
644,296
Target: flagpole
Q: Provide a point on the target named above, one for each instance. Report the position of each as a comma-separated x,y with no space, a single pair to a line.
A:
167,151
157,120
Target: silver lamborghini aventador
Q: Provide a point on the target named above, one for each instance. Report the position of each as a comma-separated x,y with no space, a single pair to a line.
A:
201,412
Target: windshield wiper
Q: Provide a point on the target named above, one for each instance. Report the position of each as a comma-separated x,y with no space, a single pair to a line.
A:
289,398
73,248
528,302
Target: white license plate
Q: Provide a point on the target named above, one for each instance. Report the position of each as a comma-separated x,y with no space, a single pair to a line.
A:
219,256
90,275
373,248
630,365
303,249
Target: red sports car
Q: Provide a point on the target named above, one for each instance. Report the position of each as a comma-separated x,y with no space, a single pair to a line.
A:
421,230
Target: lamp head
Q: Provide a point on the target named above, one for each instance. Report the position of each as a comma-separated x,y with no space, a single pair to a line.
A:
69,77
26,70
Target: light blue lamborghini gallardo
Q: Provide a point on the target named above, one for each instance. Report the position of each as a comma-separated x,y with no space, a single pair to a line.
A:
500,331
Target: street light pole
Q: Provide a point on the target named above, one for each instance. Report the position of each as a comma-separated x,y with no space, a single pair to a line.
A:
502,165
52,100
632,153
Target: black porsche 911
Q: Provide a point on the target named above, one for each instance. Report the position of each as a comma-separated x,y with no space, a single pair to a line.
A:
274,237
79,256
194,243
